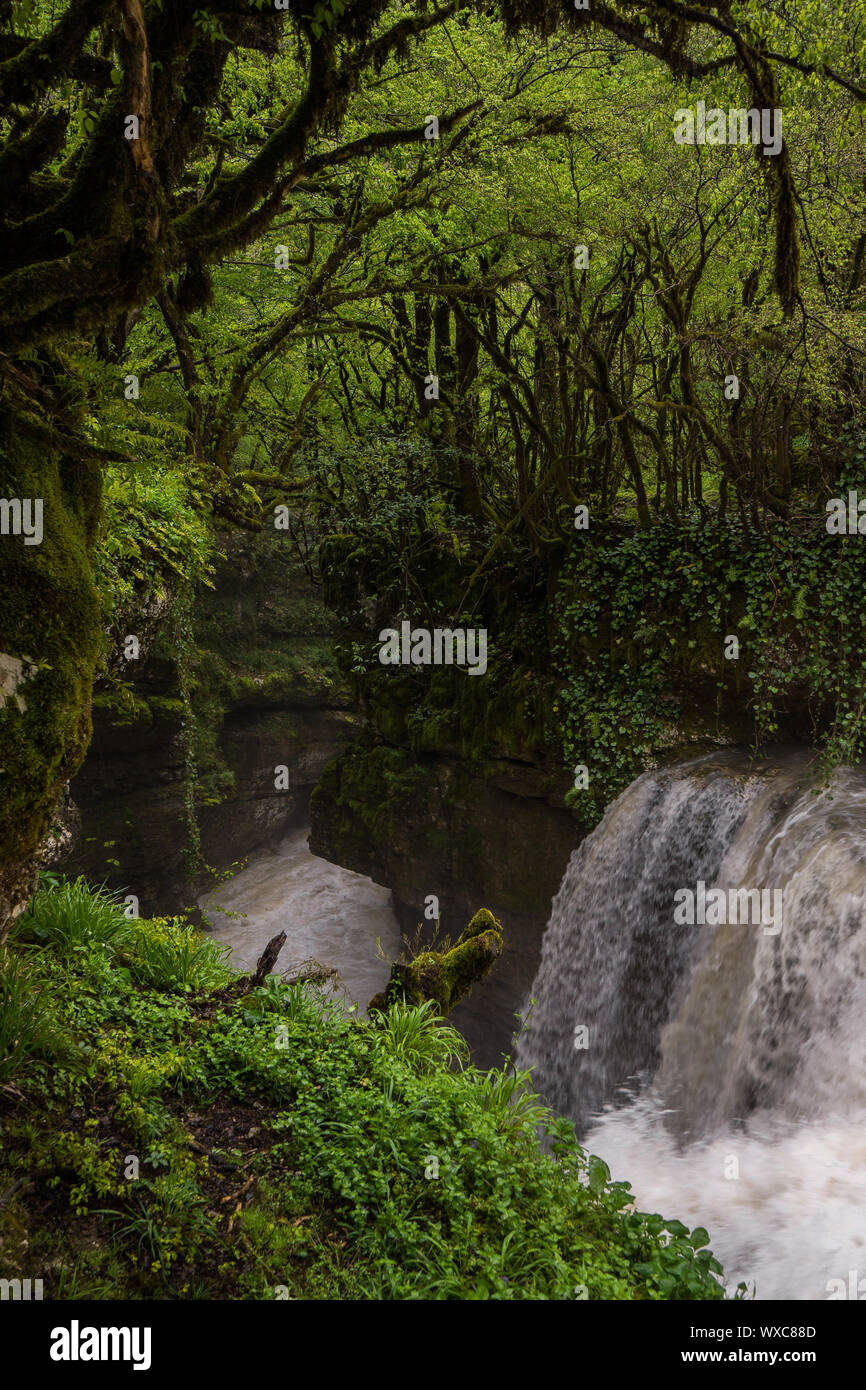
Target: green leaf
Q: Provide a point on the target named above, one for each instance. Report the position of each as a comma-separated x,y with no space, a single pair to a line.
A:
599,1175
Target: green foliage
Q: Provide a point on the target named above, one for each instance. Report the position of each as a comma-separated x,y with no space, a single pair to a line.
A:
153,538
642,617
73,917
168,953
169,1221
29,1034
342,1159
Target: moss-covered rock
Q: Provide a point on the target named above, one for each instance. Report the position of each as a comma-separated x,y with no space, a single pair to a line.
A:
444,976
50,621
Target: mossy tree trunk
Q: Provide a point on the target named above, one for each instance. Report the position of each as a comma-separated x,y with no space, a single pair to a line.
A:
50,636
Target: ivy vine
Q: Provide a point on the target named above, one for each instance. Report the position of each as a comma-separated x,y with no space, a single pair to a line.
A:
640,616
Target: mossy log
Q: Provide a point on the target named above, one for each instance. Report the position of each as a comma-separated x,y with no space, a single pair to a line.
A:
444,976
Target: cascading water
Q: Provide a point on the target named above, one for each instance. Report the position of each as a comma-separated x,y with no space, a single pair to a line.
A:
723,1067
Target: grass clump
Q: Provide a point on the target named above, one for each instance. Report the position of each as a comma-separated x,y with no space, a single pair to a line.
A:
71,916
168,953
29,1033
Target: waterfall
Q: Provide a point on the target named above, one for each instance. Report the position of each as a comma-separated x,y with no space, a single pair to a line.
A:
721,1069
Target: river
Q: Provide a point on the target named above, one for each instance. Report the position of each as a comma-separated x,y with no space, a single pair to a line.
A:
328,914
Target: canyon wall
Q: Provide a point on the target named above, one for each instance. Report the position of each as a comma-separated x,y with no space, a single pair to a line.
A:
266,693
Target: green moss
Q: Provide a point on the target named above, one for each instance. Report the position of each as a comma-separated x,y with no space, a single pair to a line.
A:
127,706
444,976
49,613
367,793
165,709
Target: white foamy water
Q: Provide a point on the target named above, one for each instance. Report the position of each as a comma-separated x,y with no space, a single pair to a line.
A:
747,1049
793,1219
328,914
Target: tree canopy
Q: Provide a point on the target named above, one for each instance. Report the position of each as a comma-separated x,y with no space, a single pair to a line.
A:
343,253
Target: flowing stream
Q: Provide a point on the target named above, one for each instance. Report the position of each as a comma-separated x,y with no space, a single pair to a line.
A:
720,1067
328,914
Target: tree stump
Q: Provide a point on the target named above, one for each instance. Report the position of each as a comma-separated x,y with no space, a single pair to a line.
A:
444,976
